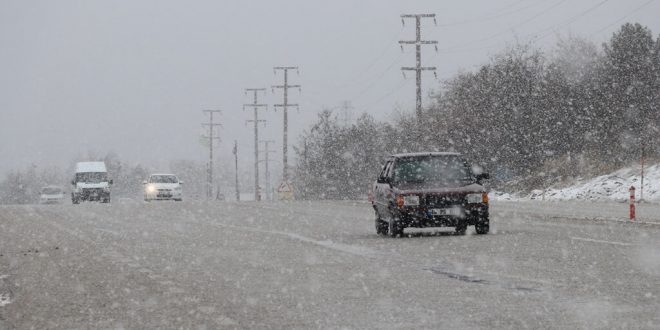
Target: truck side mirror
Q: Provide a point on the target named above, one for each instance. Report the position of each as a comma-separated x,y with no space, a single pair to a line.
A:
383,179
73,182
483,176
110,181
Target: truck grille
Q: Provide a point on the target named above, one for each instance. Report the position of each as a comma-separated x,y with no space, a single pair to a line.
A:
444,200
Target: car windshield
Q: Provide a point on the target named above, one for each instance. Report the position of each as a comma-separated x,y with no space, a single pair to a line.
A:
163,179
51,190
432,169
92,177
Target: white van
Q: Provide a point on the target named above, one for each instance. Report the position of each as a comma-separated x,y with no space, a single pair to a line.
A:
91,183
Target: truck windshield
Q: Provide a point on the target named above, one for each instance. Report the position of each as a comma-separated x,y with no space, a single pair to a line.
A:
92,177
432,169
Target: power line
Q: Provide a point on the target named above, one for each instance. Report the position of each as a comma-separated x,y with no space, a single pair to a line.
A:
493,16
570,20
622,18
458,47
395,89
374,81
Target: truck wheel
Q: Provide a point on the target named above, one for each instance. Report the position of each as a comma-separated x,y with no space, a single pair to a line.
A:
75,201
461,227
381,226
482,227
394,228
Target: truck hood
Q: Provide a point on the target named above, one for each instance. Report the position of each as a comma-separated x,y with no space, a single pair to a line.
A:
417,189
92,185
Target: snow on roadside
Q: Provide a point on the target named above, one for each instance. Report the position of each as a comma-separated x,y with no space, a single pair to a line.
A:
612,187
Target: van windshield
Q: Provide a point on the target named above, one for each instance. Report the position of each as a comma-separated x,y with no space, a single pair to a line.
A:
92,177
432,169
163,179
51,191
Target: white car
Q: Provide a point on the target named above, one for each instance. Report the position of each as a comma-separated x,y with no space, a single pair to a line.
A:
163,187
51,195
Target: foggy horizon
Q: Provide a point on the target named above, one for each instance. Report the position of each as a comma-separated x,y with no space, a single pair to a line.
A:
133,77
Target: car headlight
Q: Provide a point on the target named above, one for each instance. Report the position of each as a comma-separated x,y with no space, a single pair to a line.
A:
477,198
411,200
151,188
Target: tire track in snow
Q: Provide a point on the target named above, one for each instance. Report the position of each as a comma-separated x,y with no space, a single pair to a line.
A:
533,286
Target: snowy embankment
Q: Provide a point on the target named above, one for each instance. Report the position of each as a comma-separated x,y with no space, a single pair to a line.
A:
612,187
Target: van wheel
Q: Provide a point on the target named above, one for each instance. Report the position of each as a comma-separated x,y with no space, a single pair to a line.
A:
75,201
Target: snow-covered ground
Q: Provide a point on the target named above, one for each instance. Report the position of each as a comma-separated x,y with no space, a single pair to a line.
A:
613,186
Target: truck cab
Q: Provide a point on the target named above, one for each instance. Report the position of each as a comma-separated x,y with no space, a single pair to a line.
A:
90,183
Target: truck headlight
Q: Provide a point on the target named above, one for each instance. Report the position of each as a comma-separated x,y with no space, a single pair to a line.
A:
477,198
151,188
411,200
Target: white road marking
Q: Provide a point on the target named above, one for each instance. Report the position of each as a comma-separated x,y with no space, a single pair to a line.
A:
601,241
346,248
4,299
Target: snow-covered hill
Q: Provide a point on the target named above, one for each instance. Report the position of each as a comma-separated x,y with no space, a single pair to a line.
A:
613,186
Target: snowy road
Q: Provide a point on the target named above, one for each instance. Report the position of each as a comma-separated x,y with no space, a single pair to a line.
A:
319,265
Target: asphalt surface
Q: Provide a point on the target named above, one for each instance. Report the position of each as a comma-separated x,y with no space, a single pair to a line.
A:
303,265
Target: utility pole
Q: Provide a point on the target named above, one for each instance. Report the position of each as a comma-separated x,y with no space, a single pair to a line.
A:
418,68
256,121
211,137
285,105
266,160
235,152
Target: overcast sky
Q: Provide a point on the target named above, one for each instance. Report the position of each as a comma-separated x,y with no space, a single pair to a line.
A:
132,77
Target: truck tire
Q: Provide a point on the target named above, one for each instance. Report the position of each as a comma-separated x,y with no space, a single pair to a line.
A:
74,199
381,226
395,228
461,227
482,227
